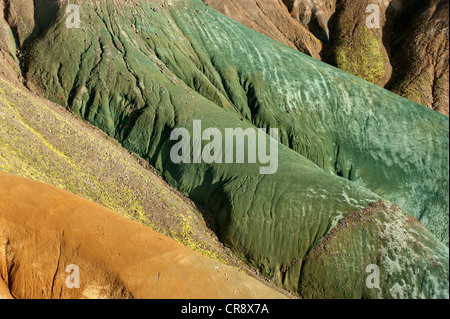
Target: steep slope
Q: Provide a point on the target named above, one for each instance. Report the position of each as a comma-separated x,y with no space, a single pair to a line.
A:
141,69
357,49
9,61
272,19
407,53
42,141
43,230
4,291
420,54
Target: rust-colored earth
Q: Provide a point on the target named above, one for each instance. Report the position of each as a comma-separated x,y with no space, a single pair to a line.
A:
43,230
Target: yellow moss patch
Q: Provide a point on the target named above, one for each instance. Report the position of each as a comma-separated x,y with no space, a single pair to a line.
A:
362,56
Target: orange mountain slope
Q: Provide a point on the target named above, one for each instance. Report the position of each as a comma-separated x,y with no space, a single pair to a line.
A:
43,230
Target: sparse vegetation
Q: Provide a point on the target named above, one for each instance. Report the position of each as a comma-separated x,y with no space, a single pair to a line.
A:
362,56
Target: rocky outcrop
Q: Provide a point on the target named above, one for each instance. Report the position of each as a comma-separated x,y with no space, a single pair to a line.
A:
420,54
405,49
272,19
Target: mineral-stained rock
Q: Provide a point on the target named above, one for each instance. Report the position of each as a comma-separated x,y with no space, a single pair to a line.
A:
420,54
406,50
273,19
344,143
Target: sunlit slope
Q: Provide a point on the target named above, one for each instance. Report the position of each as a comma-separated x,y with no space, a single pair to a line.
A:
139,70
45,230
42,141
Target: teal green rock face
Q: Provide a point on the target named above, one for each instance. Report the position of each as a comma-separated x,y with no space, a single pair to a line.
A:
140,70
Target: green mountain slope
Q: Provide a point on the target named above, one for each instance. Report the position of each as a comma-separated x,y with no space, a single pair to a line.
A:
41,141
138,70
